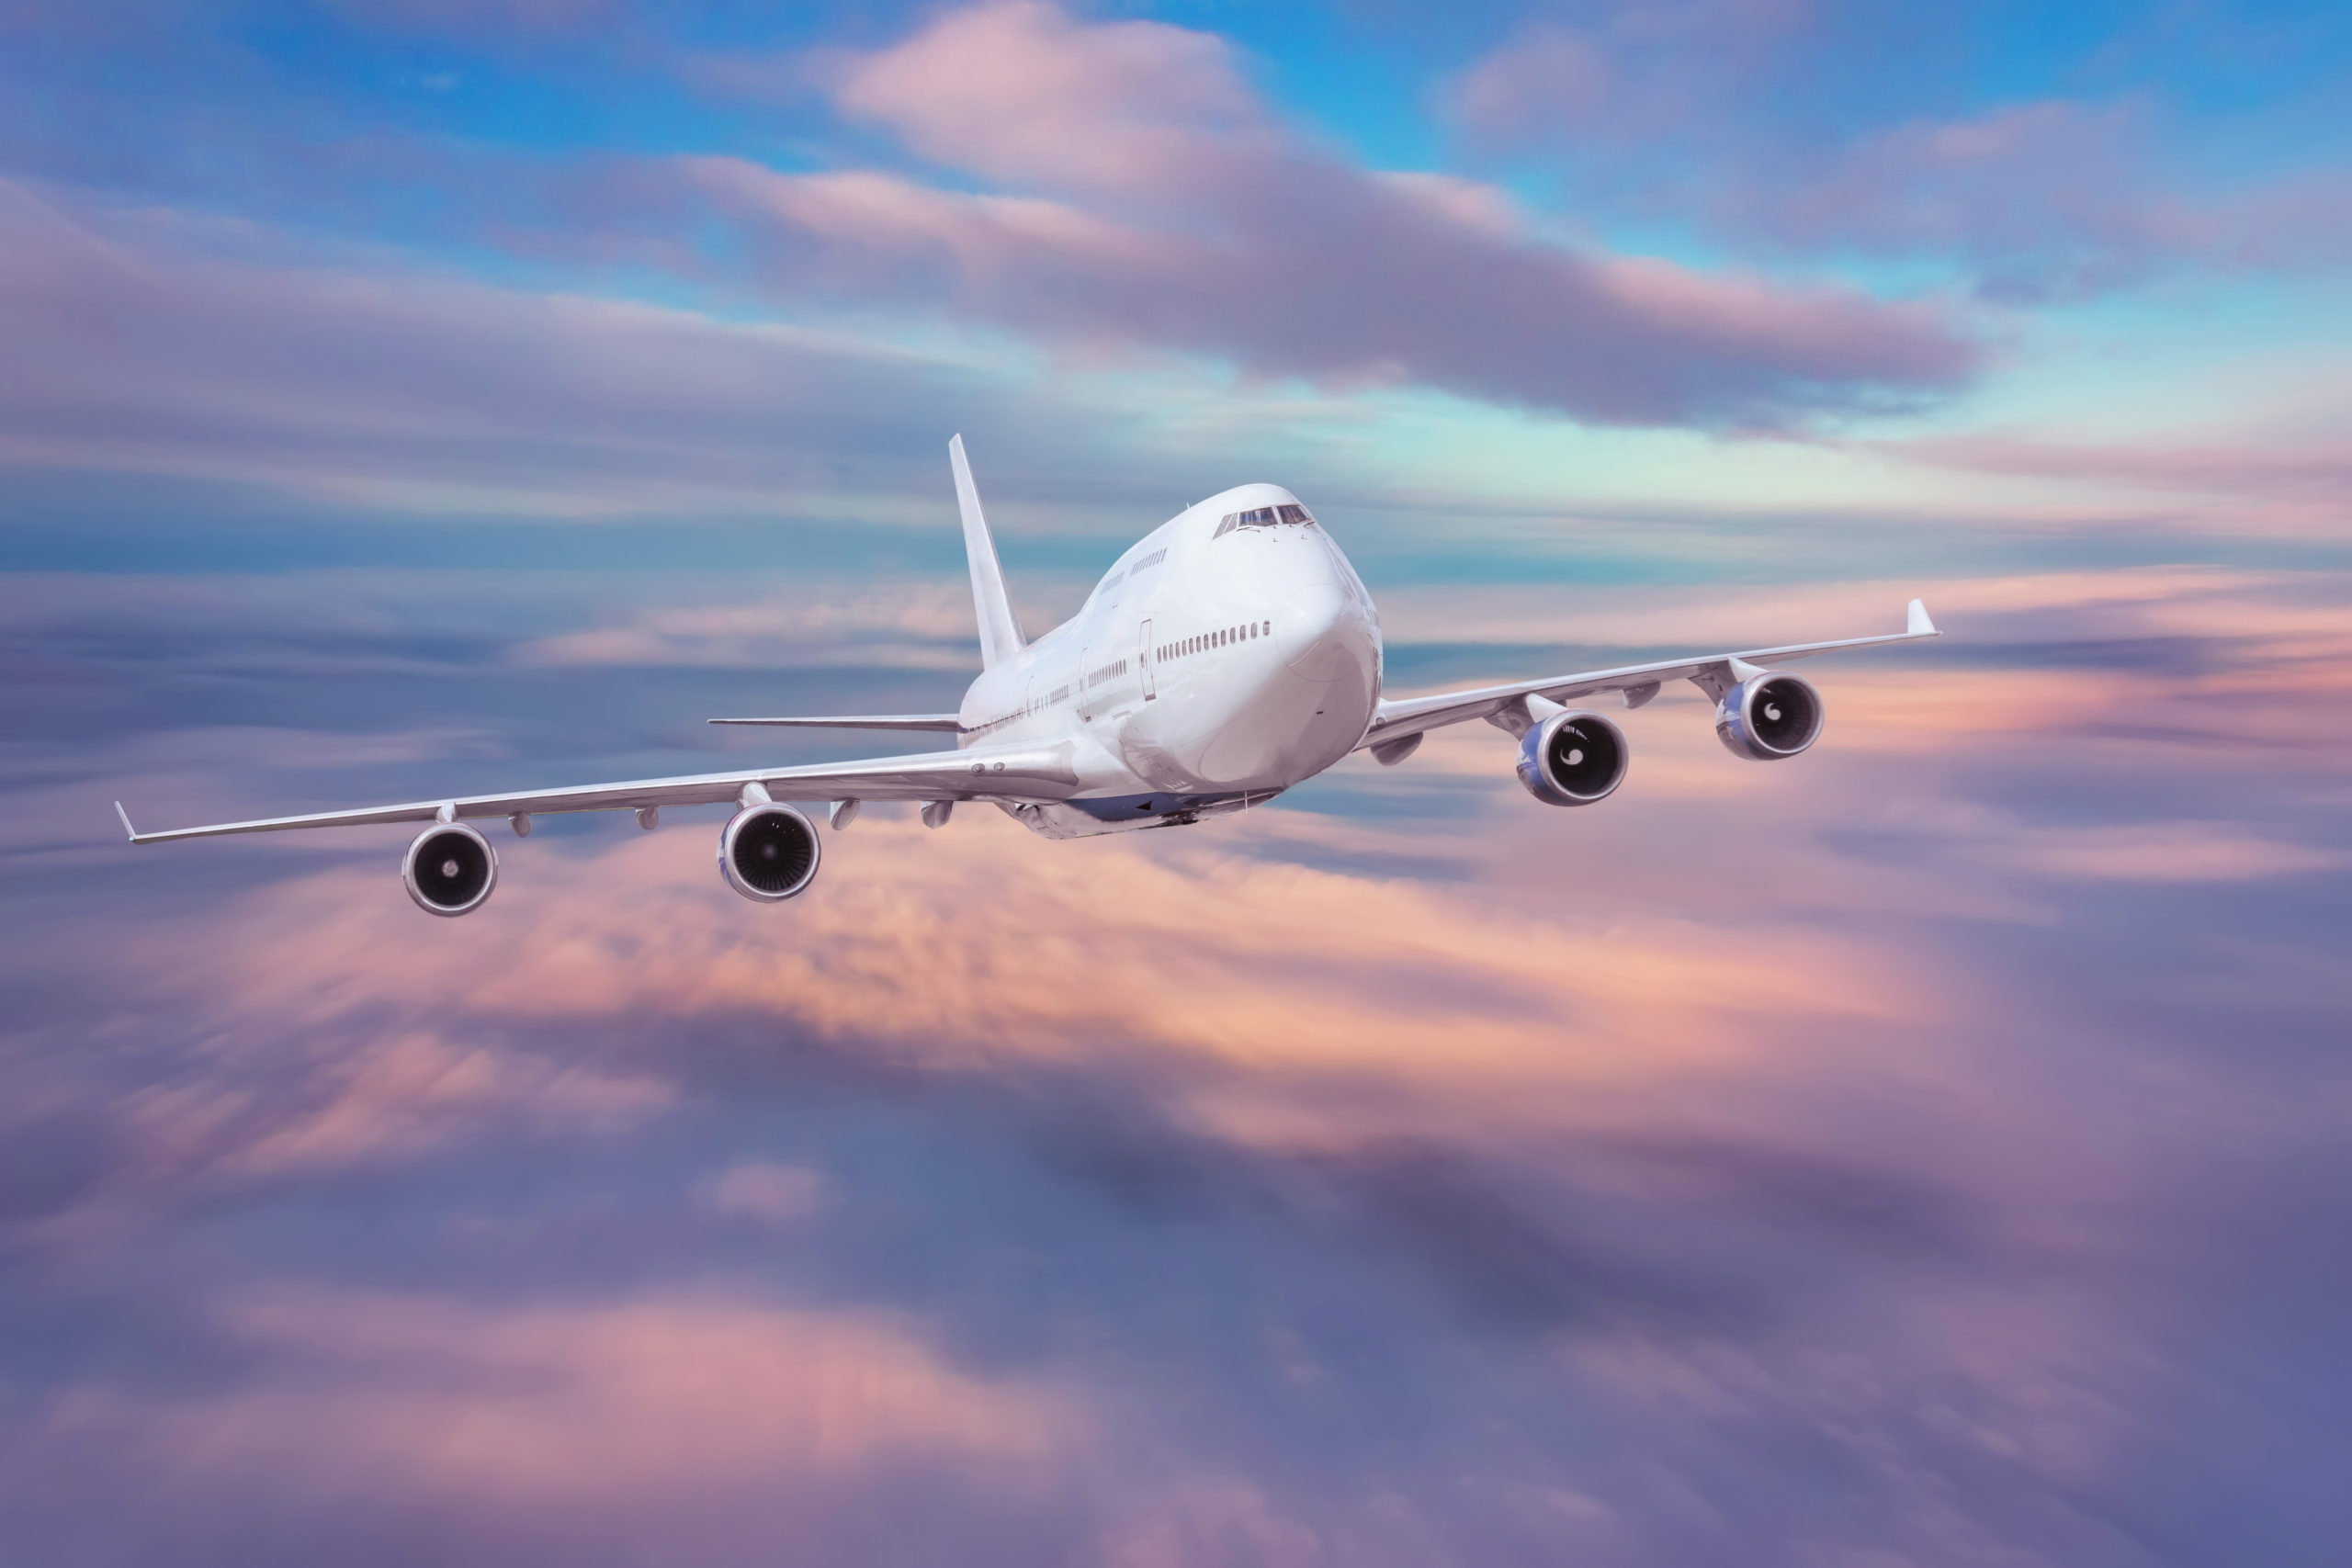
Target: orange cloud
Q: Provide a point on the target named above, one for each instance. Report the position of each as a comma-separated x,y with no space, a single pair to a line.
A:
979,943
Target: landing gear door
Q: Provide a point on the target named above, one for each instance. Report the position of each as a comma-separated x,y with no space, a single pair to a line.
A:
1143,660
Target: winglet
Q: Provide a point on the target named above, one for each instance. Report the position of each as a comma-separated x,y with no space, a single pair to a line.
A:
1919,625
128,830
1000,636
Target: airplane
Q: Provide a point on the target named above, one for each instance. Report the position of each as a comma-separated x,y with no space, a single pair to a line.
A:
1229,654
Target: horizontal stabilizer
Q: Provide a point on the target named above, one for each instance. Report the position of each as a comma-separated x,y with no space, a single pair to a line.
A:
947,721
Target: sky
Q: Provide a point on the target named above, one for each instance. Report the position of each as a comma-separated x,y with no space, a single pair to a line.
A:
1936,1150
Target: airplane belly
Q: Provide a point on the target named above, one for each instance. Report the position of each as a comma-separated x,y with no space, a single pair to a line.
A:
1164,744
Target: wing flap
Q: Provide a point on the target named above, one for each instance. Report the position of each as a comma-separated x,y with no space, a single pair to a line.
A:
1010,773
1397,718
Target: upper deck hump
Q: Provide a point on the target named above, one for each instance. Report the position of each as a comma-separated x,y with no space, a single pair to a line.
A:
1242,498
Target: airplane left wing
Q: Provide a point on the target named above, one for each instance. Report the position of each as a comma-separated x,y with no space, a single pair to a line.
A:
1004,772
1396,720
857,721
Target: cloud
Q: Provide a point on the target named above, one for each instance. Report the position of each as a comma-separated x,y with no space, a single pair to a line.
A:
1683,112
404,1093
156,342
1158,205
2169,852
1405,1173
519,1407
2320,474
2044,199
925,624
762,1190
1630,73
1267,969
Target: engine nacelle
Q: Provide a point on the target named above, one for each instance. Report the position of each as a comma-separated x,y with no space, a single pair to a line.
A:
769,852
1768,717
1573,759
449,870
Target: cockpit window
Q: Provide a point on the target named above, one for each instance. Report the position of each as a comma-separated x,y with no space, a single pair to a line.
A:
1262,517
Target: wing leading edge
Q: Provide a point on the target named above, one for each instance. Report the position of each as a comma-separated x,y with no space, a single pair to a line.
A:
1396,719
1009,773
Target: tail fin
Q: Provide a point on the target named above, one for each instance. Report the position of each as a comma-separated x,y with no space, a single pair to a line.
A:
1000,636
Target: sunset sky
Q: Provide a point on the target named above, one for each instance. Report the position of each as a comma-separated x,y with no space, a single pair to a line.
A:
1936,1150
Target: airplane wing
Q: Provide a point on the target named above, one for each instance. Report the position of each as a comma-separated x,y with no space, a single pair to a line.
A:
1394,720
860,721
980,772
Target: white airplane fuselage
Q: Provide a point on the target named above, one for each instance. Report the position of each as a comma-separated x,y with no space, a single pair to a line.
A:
1216,665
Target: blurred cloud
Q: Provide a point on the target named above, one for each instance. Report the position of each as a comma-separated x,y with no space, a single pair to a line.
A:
760,1190
403,1094
926,626
1259,968
672,1399
1403,1171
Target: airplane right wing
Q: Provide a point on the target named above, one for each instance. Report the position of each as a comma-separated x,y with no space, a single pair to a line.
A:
1398,719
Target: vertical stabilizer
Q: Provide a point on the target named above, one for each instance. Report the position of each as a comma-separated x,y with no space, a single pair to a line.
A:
1000,636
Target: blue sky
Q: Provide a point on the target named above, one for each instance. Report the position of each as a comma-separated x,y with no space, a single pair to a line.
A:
1929,1151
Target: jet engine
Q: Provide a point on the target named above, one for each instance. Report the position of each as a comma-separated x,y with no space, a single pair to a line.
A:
1768,717
1572,759
769,852
449,870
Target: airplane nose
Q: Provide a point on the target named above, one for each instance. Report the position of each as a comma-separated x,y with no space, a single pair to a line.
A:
1307,631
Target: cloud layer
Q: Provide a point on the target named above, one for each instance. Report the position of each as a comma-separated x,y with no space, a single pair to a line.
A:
1880,1146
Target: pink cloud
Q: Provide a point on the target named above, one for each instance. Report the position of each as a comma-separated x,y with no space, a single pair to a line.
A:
158,343
2047,197
1630,72
1018,91
2191,461
521,1406
1155,203
2170,851
762,1190
1251,968
1679,112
